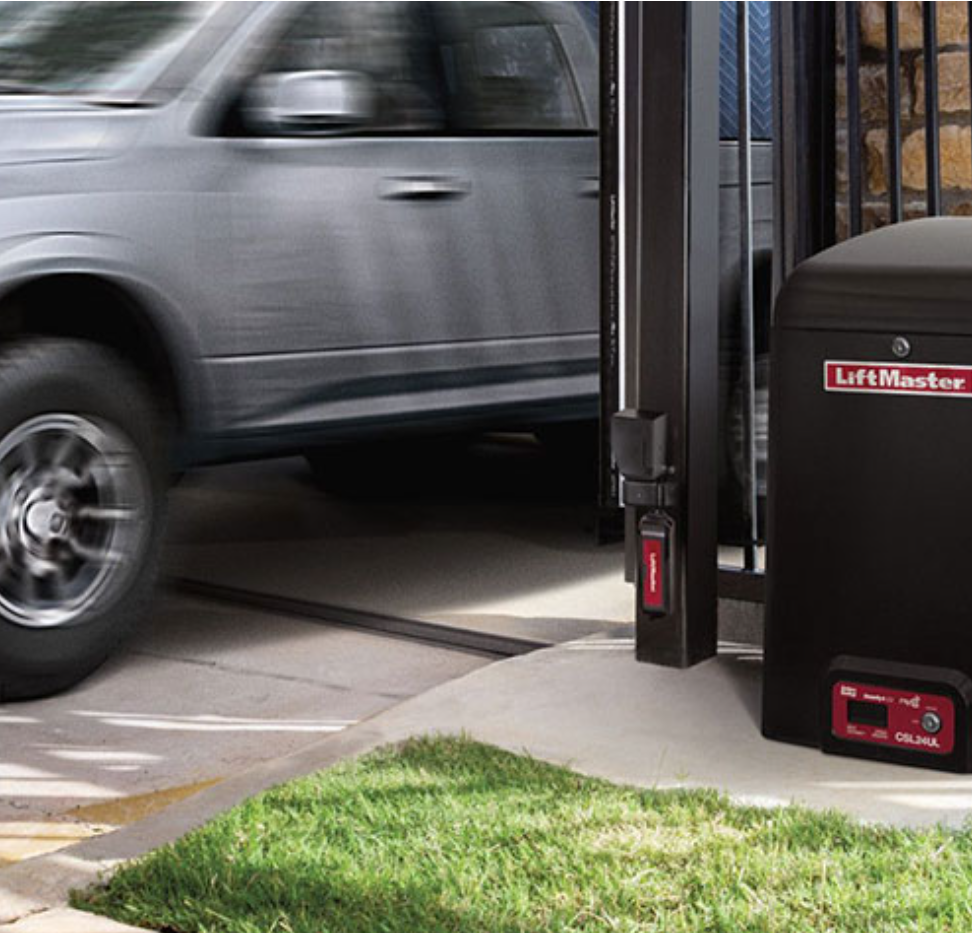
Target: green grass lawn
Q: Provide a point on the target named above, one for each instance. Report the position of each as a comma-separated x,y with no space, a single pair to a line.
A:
449,835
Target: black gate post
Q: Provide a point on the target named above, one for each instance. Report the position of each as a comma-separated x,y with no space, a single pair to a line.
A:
671,345
804,132
609,525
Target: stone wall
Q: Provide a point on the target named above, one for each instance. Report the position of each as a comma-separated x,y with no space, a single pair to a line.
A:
953,93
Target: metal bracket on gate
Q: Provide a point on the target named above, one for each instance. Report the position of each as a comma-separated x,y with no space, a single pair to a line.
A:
656,495
639,440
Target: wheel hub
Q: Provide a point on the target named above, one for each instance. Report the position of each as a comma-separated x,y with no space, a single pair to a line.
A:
70,494
44,520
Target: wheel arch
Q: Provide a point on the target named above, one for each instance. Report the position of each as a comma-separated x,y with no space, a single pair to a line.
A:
112,311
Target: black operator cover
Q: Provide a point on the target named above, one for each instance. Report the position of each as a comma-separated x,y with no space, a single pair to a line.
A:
875,282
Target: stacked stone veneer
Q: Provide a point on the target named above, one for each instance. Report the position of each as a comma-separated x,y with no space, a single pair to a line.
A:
953,100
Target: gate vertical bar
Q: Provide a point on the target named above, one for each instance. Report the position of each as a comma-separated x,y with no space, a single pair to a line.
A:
933,181
852,34
804,133
631,93
968,35
675,340
610,266
748,325
894,111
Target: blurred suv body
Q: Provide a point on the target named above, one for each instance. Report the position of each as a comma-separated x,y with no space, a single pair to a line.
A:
284,287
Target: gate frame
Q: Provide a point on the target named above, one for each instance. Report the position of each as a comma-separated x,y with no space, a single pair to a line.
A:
671,190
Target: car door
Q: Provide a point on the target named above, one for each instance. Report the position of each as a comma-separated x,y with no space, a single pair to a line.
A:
438,260
521,93
344,250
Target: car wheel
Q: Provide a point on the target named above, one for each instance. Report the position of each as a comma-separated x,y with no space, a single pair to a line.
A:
82,491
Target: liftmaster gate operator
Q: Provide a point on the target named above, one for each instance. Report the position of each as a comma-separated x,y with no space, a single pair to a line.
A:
869,603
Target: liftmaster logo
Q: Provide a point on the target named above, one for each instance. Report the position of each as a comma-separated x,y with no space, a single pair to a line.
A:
898,378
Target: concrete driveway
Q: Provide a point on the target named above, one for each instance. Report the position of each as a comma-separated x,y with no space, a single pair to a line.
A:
206,691
494,538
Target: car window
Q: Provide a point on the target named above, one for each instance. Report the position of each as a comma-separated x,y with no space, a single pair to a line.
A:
505,69
391,43
93,50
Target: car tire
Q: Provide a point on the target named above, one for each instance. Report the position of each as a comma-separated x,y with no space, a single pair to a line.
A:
83,468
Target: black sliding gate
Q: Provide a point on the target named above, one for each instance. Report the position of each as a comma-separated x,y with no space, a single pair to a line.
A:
828,151
845,158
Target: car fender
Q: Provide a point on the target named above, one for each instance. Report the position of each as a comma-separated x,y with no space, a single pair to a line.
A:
29,258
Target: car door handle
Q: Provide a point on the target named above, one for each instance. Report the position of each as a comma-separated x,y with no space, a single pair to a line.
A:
590,187
424,188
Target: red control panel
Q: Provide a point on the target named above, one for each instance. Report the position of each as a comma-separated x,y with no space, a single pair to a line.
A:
908,719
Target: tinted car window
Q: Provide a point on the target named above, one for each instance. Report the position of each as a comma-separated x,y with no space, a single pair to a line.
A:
505,69
92,49
389,42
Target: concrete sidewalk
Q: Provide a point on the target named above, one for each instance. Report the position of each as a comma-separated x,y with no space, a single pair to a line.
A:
587,705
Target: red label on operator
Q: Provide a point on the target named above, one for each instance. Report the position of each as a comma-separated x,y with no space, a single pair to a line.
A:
898,378
653,555
919,722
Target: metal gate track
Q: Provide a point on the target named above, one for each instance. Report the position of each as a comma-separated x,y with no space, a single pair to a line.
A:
431,633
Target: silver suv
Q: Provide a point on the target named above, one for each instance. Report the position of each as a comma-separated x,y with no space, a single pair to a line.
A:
242,229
